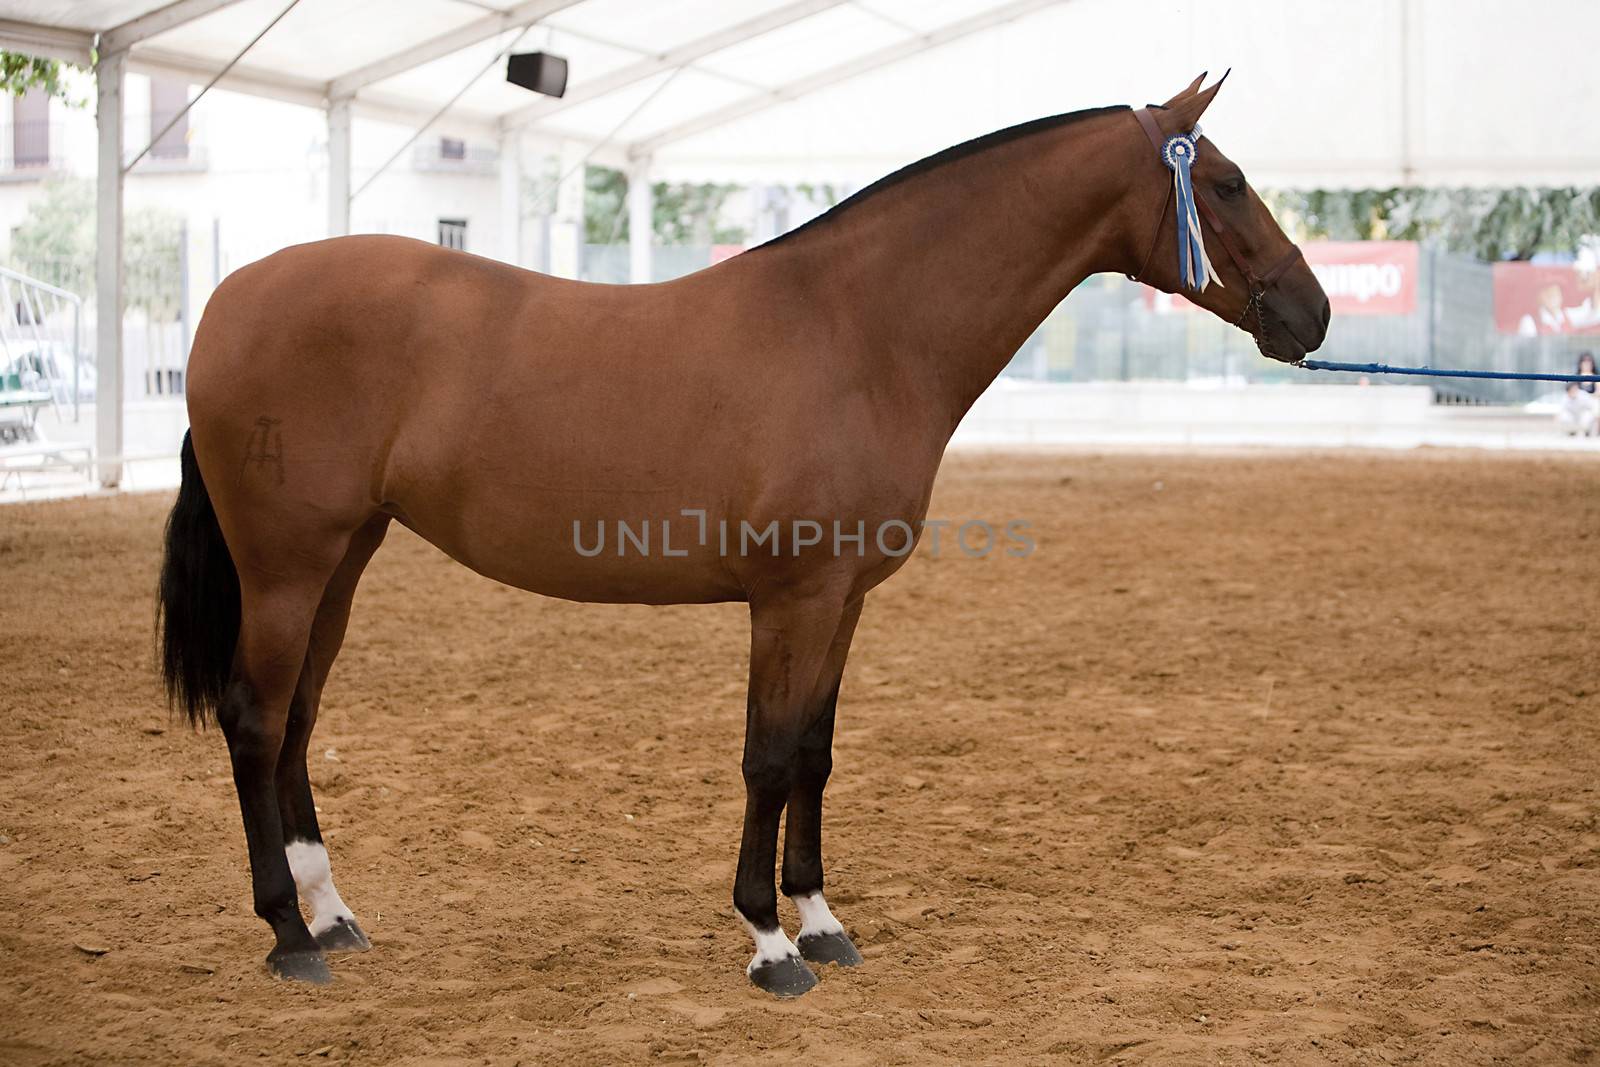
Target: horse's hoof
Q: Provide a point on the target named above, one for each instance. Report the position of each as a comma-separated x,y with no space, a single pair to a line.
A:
306,965
785,977
345,935
830,948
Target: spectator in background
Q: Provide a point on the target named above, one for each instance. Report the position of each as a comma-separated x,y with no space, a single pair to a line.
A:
1579,412
1585,366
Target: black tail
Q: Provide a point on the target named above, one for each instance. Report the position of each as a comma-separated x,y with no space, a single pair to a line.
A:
198,614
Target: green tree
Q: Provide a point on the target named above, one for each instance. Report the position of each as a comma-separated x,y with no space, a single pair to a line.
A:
55,243
55,240
19,73
605,205
685,212
1491,224
826,193
153,263
689,213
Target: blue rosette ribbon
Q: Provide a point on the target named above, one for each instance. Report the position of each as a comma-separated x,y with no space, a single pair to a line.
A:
1194,266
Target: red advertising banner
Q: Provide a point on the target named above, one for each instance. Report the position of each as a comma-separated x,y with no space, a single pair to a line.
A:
1534,300
1366,277
1360,277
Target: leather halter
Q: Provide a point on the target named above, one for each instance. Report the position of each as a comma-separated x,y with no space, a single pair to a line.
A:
1259,284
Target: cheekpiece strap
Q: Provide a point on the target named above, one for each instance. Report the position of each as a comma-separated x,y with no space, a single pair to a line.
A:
1178,152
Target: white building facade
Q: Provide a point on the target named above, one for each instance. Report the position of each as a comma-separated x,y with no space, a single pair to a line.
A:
247,176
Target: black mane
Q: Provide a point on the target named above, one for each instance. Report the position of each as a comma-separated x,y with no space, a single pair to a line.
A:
948,155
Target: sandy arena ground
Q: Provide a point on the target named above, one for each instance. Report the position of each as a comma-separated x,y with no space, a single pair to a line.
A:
1258,759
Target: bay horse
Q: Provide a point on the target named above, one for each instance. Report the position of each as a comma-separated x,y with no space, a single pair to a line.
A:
337,386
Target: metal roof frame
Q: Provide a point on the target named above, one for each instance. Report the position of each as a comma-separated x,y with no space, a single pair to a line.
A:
491,26
128,46
883,57
138,40
683,55
274,85
51,42
121,38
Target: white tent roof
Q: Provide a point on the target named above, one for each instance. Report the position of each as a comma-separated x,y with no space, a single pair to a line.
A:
1324,92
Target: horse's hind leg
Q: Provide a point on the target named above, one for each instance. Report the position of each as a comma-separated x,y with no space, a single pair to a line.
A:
276,613
822,939
332,923
791,636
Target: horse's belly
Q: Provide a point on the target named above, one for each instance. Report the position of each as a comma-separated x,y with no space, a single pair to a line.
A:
584,550
616,581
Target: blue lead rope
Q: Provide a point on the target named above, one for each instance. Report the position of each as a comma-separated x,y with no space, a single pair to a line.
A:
1384,368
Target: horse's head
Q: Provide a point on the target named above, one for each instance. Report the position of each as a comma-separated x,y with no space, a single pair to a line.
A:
1266,287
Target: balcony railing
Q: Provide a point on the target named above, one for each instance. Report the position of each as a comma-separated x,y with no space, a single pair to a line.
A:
39,149
448,155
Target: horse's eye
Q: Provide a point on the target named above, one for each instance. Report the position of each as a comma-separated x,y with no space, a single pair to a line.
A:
1232,189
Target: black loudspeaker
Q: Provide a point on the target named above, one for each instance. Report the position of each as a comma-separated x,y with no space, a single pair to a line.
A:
539,71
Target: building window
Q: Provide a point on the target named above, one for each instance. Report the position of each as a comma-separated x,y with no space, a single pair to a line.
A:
453,234
452,148
168,97
30,129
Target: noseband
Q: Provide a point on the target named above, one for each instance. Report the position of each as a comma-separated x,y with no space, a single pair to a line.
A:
1259,284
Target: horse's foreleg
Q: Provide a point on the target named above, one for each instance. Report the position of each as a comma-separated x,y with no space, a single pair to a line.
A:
822,939
789,645
332,922
275,626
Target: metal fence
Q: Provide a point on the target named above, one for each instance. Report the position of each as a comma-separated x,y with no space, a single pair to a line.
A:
41,342
610,263
155,325
1110,329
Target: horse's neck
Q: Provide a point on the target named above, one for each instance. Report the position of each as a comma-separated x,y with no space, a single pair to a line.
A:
944,276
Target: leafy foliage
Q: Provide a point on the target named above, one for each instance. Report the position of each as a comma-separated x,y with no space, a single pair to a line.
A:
685,212
55,243
153,254
688,213
605,206
19,73
825,193
1491,224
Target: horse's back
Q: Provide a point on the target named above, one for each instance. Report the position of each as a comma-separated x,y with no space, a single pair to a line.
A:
471,399
491,408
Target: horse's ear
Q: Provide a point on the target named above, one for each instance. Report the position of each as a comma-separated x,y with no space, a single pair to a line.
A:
1193,86
1187,111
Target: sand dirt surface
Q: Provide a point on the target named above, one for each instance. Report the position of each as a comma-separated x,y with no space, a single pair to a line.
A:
1258,758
